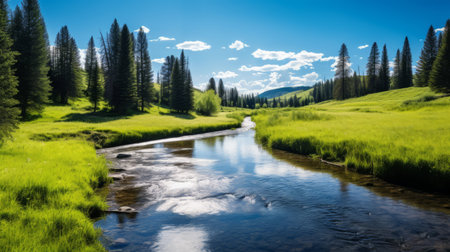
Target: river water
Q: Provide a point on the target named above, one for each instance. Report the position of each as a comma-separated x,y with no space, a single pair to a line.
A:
225,192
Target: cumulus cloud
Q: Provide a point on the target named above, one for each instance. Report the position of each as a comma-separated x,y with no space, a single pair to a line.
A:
301,59
363,46
160,60
440,29
162,38
145,29
238,45
273,77
232,59
298,60
307,79
225,75
194,46
272,55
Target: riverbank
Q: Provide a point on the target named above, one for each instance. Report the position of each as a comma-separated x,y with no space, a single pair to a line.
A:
402,136
50,171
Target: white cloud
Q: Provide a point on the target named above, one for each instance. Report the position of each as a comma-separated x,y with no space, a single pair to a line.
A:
168,47
162,38
391,64
307,79
238,45
160,60
145,29
363,46
273,77
272,55
299,60
194,46
223,47
232,59
225,75
440,29
360,58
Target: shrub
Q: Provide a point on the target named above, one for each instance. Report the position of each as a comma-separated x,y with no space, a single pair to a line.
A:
207,103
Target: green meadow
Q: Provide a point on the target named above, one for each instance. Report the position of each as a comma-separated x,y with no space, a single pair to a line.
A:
49,172
402,136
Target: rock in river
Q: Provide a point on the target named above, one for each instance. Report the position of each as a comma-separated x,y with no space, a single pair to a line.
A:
123,155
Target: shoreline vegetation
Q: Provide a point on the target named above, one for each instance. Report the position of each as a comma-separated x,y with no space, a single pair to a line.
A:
373,134
51,171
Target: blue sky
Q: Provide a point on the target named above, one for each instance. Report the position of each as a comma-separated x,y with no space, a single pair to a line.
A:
255,45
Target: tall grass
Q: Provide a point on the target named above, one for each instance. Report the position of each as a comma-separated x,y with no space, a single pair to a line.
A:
50,171
402,135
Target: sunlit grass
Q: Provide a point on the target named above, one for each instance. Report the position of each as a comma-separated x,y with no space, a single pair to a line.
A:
49,172
400,135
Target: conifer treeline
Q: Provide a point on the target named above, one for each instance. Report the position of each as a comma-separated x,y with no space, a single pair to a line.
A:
176,87
430,71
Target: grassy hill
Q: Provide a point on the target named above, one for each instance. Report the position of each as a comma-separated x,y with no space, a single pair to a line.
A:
281,91
50,171
300,94
401,135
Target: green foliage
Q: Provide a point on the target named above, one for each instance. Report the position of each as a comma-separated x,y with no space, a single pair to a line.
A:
29,35
144,74
427,57
341,89
405,74
440,74
124,91
383,75
396,75
111,50
176,83
211,85
404,138
208,103
65,69
373,65
8,82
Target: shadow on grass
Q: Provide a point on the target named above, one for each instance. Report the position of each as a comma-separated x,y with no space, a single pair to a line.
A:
97,117
177,115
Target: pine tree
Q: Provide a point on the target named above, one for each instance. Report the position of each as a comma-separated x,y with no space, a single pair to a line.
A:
440,74
124,98
94,89
221,92
439,41
111,50
405,77
176,83
383,75
8,82
65,74
90,62
143,71
188,92
373,65
427,57
342,84
31,67
166,72
211,85
396,75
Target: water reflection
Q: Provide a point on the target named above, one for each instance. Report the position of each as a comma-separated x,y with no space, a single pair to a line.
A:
227,193
184,238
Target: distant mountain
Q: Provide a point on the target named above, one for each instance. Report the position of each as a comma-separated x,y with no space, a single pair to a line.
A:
280,91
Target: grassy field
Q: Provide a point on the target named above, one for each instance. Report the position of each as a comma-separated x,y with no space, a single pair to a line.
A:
49,172
402,135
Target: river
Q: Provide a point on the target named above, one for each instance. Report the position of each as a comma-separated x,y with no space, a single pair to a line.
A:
223,191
